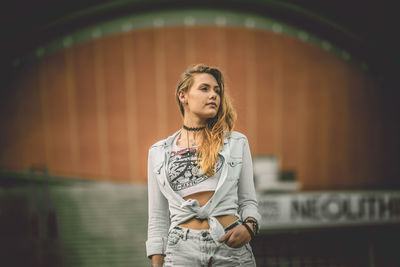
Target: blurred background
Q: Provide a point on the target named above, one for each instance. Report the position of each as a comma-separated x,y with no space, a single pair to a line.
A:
88,86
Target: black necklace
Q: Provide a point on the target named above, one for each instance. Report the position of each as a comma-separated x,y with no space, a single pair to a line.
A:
195,168
194,129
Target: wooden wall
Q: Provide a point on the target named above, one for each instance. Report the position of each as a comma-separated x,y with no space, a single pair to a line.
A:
93,110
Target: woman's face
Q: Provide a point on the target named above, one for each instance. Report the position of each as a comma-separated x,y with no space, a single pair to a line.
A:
202,98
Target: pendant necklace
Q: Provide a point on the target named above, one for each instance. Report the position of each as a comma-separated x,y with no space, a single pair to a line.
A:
195,168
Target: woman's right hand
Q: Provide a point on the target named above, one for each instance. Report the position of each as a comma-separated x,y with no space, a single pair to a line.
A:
236,237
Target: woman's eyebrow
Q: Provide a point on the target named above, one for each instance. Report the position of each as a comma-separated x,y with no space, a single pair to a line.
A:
206,84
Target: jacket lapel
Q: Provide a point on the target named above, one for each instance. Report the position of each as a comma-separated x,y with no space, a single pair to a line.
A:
224,152
167,152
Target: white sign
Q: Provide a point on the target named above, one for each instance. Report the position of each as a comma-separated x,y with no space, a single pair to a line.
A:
321,209
266,172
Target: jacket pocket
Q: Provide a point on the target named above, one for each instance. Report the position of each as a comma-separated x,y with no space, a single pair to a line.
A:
234,168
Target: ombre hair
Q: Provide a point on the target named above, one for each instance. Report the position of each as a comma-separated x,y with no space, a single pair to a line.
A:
218,127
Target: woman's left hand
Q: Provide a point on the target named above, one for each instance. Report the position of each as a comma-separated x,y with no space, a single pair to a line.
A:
236,237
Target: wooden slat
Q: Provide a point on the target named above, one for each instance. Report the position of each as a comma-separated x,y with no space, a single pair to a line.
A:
339,145
265,65
204,45
44,105
160,50
251,89
174,43
88,134
57,110
72,110
292,124
145,88
317,131
34,137
131,105
115,108
236,69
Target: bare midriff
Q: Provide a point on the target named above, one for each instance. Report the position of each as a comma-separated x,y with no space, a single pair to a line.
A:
200,224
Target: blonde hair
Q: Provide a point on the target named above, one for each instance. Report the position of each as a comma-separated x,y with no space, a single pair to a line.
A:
218,127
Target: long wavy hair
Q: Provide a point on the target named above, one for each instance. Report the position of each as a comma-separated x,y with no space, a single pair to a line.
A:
217,127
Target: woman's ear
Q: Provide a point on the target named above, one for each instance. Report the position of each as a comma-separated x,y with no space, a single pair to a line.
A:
182,97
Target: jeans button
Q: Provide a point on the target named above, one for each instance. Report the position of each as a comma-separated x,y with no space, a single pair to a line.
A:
204,234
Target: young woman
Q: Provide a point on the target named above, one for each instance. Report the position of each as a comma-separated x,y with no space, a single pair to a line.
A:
202,203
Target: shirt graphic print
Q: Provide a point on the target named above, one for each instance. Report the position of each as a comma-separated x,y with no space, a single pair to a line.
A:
183,171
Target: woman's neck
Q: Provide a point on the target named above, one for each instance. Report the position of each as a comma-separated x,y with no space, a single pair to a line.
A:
191,137
193,122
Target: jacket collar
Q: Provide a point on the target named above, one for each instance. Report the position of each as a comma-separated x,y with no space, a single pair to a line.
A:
170,139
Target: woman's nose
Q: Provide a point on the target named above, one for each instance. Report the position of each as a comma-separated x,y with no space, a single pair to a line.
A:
213,95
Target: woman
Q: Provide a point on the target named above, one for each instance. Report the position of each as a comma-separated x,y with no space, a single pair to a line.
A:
202,203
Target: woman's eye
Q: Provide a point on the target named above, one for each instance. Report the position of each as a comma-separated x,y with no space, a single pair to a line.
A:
204,88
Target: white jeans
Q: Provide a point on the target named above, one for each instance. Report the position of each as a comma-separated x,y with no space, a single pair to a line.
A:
195,248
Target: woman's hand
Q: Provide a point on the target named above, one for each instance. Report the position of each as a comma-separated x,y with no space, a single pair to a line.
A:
157,259
236,237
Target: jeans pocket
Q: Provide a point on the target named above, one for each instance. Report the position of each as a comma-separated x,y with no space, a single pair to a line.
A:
174,238
248,259
231,248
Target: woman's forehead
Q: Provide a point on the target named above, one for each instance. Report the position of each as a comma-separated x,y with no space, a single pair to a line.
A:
205,78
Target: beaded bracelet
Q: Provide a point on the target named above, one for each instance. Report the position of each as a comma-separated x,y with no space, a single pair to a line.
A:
249,230
254,223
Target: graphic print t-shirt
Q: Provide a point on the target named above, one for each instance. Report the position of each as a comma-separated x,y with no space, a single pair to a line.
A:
185,176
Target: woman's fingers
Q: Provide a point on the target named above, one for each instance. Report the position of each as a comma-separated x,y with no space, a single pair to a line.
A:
226,236
238,237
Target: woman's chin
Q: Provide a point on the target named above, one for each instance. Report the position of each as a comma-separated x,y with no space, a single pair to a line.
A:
206,116
210,116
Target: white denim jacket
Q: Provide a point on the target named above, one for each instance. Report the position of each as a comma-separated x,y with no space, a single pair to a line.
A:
234,195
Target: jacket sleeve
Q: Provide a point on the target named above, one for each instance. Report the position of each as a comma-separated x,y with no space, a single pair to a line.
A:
248,206
158,217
